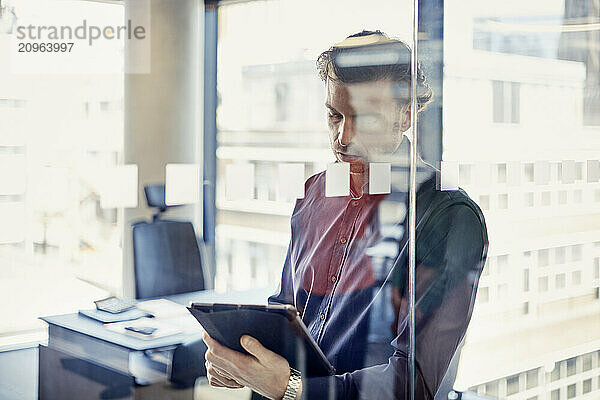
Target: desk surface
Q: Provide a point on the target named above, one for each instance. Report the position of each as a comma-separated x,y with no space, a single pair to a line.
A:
95,329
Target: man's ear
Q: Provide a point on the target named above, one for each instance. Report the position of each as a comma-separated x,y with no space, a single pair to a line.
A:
405,118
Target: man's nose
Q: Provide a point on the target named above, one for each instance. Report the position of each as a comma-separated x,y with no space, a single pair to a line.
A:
346,132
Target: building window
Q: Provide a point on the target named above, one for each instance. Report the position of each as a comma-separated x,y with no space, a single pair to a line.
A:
501,169
543,284
587,386
491,389
506,101
571,390
502,263
576,253
526,280
512,385
503,201
525,309
529,199
556,172
555,375
464,174
111,106
543,257
586,361
484,294
560,281
532,378
579,171
528,172
597,268
571,366
281,101
577,196
560,255
484,202
562,197
555,394
546,198
576,277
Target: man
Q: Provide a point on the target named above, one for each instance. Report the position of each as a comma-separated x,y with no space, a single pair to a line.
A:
338,272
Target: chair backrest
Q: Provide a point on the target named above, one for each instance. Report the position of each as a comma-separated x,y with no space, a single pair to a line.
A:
167,258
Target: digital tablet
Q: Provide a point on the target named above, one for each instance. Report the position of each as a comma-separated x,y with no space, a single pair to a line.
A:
278,327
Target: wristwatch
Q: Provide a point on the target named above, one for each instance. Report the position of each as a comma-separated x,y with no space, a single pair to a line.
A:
293,386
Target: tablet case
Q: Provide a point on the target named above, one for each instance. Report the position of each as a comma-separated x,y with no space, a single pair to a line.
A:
278,327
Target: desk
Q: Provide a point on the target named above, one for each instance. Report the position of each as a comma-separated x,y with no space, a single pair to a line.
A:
85,360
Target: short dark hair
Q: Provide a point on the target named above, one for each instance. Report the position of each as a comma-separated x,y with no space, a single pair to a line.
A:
398,73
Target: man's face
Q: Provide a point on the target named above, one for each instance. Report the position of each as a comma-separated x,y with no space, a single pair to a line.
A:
365,122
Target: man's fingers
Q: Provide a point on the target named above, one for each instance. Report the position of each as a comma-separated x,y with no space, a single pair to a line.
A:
225,358
222,372
254,347
222,352
217,378
214,346
251,345
220,378
214,381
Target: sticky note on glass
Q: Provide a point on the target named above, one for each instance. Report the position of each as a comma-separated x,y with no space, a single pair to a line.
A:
541,172
182,184
380,178
119,187
291,182
593,171
239,181
337,179
12,174
449,175
568,171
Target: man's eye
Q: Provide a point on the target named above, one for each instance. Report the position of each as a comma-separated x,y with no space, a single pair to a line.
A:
334,116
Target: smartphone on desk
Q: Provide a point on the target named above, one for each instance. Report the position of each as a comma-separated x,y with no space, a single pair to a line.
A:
142,330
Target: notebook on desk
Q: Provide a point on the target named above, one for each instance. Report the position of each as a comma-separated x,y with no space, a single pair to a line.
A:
106,317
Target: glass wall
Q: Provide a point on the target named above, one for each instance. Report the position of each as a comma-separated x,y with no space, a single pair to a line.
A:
512,119
271,112
518,104
521,132
59,249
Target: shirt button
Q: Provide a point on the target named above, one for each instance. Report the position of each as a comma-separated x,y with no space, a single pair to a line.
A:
355,203
333,279
343,240
322,317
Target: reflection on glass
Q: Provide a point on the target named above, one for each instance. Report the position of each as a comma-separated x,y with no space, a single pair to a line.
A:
520,118
347,259
68,129
536,89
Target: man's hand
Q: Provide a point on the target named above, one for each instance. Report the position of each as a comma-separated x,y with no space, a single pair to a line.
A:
263,371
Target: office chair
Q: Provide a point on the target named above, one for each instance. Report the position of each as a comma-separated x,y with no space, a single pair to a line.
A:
167,260
166,253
